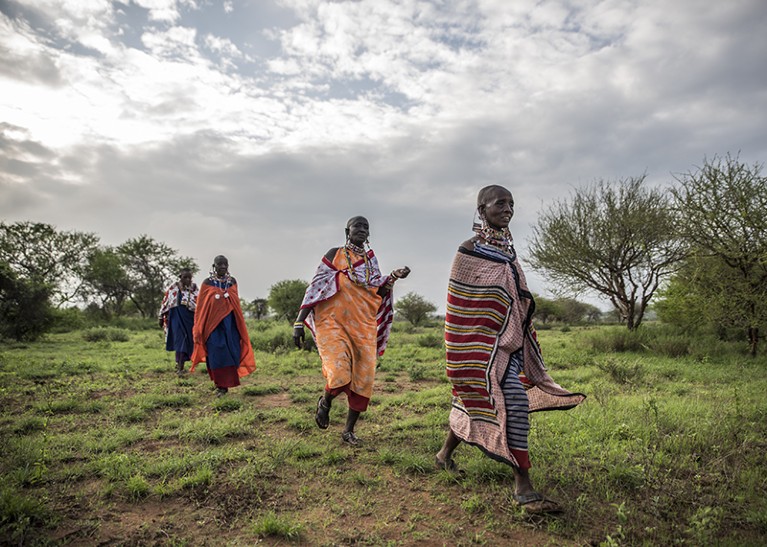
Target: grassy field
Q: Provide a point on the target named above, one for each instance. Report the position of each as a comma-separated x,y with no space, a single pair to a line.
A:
104,445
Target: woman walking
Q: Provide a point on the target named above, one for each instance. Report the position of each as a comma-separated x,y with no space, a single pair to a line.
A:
177,317
493,358
220,334
348,307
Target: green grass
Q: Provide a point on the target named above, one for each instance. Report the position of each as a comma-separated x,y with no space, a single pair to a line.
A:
100,437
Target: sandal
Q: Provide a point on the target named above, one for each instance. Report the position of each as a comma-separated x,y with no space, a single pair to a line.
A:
449,466
322,416
350,438
535,503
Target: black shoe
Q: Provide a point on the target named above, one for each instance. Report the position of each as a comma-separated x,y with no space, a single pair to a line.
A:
221,391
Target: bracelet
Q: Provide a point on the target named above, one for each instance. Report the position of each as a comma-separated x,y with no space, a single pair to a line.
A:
393,275
298,324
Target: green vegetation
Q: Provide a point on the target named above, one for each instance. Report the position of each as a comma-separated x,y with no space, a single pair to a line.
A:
102,439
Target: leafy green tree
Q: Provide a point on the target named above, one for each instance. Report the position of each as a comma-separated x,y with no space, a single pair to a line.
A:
616,239
150,266
25,312
285,298
723,204
414,308
106,280
546,310
40,253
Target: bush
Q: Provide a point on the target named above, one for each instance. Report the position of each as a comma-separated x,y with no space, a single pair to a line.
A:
430,340
69,320
277,337
623,372
617,340
101,334
671,346
25,313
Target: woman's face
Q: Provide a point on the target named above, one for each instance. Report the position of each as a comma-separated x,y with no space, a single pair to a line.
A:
221,266
498,208
185,278
358,230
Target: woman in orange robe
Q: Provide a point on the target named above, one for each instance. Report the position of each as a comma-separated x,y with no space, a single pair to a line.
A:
220,334
348,307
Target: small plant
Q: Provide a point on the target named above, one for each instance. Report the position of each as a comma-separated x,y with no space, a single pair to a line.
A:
277,526
227,404
136,487
20,515
201,477
474,505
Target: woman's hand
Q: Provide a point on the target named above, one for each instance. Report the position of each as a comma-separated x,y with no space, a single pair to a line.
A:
401,273
299,336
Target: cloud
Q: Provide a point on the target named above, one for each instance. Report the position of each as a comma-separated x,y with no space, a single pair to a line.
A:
257,129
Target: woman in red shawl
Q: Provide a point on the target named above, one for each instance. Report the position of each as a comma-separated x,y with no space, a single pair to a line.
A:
220,334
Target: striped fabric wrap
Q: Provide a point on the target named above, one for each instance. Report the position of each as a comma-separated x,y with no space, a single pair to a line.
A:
488,319
475,316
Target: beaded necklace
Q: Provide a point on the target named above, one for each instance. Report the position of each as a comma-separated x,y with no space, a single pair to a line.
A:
500,239
352,272
222,283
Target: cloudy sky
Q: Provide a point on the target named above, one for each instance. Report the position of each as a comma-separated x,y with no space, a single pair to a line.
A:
255,128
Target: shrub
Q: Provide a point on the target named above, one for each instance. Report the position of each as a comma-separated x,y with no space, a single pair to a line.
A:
617,340
671,346
68,320
101,334
272,340
430,340
25,313
621,371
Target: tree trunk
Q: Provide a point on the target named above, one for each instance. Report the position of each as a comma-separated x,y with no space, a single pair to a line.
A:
753,340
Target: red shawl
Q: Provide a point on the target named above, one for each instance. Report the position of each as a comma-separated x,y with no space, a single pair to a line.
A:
210,312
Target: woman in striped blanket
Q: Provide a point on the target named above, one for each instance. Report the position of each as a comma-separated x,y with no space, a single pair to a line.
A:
348,308
493,358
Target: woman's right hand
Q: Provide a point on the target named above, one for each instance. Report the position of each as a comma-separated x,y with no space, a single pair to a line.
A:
299,336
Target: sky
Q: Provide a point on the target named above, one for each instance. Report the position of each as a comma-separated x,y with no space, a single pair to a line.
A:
256,128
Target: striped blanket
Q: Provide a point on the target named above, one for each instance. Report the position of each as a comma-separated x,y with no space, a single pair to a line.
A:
488,319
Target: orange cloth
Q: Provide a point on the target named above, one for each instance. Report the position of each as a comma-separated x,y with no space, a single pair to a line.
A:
346,330
210,312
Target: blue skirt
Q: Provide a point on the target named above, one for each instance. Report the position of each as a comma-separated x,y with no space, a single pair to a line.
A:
180,322
223,345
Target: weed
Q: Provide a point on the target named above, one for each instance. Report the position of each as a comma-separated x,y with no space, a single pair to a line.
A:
277,526
227,404
20,516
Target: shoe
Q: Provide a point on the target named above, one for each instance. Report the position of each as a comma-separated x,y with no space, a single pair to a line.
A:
350,438
221,391
535,503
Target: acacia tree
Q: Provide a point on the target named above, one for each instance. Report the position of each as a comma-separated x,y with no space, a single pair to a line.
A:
415,308
150,266
724,203
106,279
616,239
38,252
285,298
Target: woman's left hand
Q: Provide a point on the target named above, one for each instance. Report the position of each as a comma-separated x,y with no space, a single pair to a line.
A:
401,273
